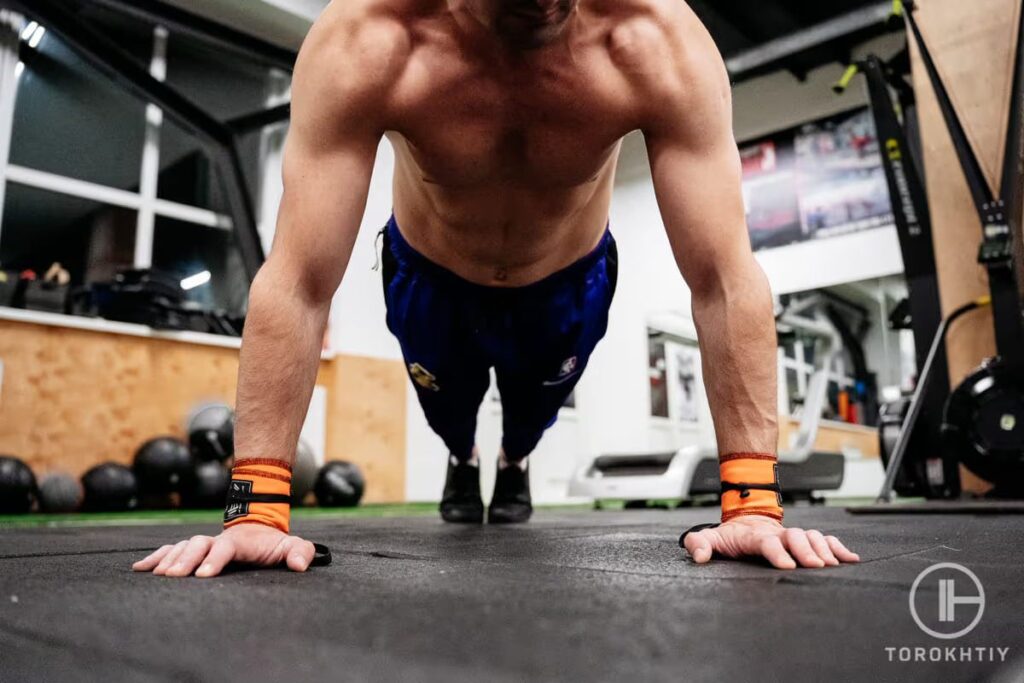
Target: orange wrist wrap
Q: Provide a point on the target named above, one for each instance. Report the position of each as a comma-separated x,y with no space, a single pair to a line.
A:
260,493
750,485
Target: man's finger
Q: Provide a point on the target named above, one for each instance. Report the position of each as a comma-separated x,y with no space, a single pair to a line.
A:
840,550
700,546
170,558
800,548
153,559
221,552
820,546
773,550
298,554
190,558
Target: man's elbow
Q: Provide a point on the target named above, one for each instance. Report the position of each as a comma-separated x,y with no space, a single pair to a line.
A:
741,281
277,285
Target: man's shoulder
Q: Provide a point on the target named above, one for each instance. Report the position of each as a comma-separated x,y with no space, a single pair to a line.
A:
370,21
661,44
648,32
363,40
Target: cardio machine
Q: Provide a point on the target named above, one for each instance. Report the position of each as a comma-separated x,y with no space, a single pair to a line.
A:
690,474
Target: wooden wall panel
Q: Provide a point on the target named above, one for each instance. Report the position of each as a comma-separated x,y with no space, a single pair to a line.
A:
73,398
366,401
972,44
834,437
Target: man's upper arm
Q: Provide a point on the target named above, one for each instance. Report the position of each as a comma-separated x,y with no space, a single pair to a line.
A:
695,163
339,94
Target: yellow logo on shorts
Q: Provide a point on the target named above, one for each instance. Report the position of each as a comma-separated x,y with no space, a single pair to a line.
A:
423,377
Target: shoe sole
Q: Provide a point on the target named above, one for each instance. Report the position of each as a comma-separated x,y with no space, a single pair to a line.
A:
508,519
463,518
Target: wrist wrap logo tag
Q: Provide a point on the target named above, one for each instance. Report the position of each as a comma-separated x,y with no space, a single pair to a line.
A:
259,493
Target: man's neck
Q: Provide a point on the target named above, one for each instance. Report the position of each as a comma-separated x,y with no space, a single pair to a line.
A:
485,15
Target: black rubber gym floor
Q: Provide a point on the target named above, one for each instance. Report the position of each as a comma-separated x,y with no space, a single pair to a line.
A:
574,596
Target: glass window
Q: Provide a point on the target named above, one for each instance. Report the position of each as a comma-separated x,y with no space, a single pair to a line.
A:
223,86
187,174
91,240
71,120
217,81
77,124
187,250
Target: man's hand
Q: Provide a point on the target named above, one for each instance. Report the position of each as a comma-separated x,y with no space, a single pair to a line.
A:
253,544
755,536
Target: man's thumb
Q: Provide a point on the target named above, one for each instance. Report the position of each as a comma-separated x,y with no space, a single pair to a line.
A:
699,547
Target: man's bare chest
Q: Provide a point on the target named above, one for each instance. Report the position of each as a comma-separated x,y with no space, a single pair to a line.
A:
467,127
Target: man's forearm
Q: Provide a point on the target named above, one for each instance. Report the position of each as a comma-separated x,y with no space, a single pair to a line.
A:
278,367
736,329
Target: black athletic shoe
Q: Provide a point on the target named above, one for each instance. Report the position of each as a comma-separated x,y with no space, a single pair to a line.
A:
461,502
511,503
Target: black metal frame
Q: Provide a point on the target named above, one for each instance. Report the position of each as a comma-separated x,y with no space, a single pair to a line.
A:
210,32
220,139
914,227
1000,218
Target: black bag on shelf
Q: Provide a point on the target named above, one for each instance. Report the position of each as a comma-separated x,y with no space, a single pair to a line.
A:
49,297
153,298
49,294
10,288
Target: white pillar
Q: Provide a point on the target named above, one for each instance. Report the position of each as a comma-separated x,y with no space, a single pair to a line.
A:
10,26
150,171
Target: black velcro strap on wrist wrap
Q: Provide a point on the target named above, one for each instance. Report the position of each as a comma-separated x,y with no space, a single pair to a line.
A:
744,489
271,498
322,558
240,491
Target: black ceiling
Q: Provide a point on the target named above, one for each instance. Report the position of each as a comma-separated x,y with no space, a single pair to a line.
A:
740,25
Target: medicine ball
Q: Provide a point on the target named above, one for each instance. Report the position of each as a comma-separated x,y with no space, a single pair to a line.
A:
983,424
17,486
339,484
211,432
109,487
304,473
60,493
162,465
207,486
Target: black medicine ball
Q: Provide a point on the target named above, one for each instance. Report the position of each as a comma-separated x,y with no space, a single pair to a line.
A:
211,432
162,466
339,484
17,486
109,487
59,493
207,487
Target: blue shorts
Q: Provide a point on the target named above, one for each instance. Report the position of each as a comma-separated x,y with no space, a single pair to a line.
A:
538,338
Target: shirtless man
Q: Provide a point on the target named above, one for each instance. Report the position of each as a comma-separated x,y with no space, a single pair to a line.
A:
506,118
